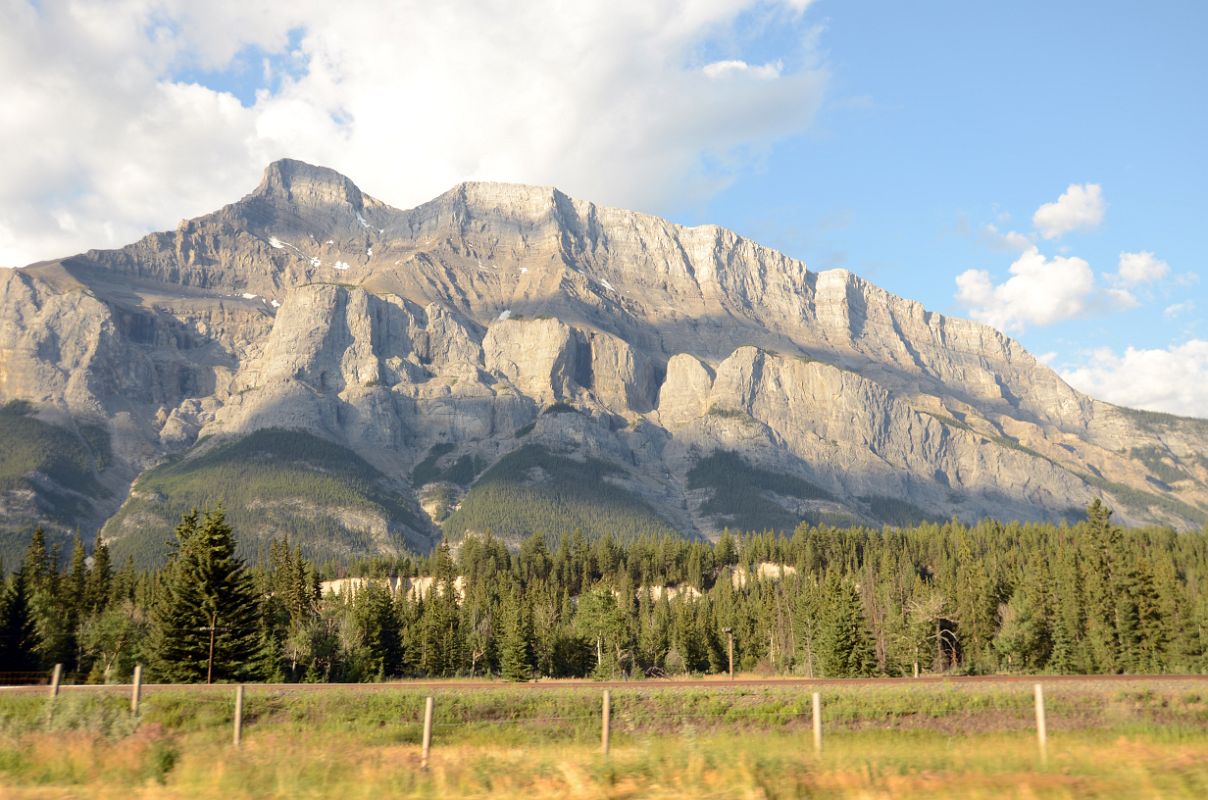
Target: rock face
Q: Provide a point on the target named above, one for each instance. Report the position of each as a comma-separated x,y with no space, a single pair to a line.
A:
425,336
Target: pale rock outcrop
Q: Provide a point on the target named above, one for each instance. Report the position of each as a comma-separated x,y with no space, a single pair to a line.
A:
308,304
740,576
622,379
541,357
684,396
659,591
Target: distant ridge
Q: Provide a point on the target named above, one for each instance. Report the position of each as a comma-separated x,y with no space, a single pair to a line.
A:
499,317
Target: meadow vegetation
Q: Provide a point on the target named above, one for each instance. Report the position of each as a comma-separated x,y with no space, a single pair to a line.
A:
903,740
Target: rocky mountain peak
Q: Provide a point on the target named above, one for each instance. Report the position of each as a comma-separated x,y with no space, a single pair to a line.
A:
304,184
507,321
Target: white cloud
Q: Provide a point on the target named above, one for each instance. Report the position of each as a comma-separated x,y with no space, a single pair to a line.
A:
609,101
1141,267
1178,309
1040,291
1174,380
1080,207
735,67
1011,240
1122,299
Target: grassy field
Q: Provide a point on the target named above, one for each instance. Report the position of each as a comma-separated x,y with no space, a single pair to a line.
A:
1107,739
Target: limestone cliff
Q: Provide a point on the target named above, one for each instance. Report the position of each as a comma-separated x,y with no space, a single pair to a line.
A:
427,340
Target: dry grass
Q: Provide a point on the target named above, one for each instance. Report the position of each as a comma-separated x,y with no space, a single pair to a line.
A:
773,766
1141,742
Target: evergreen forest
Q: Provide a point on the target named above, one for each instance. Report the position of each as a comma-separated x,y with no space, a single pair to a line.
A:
938,597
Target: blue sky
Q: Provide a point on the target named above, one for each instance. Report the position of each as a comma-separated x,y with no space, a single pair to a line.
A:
945,117
910,143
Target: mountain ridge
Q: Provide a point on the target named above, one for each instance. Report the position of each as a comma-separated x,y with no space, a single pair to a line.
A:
312,306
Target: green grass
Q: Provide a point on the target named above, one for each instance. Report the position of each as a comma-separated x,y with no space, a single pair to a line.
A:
533,490
889,741
273,483
739,492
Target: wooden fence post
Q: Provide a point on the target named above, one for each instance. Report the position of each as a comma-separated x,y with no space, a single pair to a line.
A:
817,722
1042,734
56,677
136,689
606,723
238,714
427,732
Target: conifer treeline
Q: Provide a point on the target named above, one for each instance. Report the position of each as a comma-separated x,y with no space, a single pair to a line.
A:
1087,598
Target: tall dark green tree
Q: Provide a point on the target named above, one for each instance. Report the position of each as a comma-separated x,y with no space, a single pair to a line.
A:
515,663
845,646
1102,582
380,627
206,605
97,589
18,632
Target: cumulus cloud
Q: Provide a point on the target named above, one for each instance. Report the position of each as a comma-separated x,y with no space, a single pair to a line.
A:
1143,267
1011,240
736,67
1080,207
1040,291
1173,380
609,101
1122,299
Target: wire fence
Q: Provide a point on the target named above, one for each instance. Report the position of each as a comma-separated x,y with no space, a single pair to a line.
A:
430,716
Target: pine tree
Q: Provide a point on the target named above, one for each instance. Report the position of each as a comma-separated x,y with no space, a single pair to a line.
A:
18,634
100,577
206,604
1101,581
1023,635
72,601
600,620
514,661
381,630
726,553
36,565
845,647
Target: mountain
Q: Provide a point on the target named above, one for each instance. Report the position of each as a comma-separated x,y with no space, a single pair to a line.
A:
505,357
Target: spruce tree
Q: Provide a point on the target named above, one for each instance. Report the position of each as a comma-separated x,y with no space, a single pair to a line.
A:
72,604
206,603
845,647
381,630
1101,580
514,662
36,565
18,634
100,577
